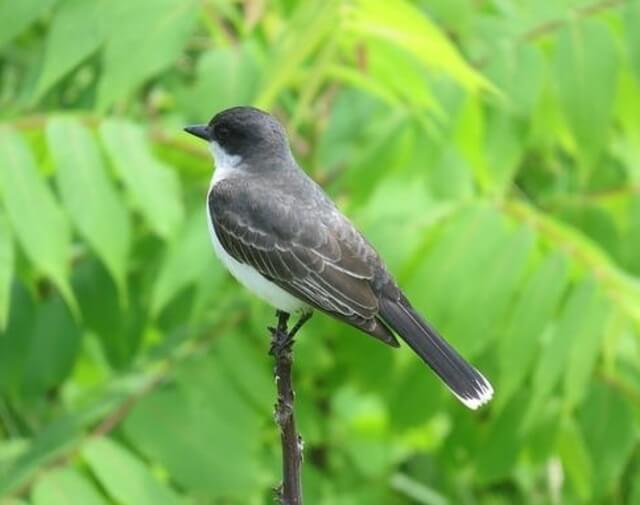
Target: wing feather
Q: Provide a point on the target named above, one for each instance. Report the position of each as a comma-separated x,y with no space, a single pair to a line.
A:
301,252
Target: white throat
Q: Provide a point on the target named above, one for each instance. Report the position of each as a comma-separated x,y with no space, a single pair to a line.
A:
225,163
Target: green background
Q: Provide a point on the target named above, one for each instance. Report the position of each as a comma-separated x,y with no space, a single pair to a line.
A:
489,149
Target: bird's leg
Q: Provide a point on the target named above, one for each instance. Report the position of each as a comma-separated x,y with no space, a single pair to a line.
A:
281,338
279,335
303,319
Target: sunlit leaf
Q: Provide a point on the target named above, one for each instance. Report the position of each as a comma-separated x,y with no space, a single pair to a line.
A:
311,22
76,31
39,224
89,195
400,72
125,477
153,185
408,28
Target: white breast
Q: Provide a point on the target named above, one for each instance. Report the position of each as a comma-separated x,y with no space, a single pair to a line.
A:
249,277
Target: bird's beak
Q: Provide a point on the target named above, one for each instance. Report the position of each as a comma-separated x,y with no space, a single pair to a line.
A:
199,130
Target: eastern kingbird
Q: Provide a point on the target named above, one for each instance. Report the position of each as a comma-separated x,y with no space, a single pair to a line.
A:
281,236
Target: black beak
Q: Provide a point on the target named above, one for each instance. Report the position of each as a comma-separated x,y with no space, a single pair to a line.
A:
199,130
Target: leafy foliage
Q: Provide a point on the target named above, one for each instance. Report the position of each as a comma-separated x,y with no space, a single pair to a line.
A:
490,151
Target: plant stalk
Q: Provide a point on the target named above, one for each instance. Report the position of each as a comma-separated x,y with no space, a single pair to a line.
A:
289,492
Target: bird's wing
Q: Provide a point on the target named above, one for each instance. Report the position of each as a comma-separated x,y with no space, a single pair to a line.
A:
312,253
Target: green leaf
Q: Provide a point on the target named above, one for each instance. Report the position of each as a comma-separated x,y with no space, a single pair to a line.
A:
518,70
89,195
242,74
635,490
482,302
15,339
575,458
255,383
631,16
6,270
186,260
406,27
579,321
584,352
120,329
618,284
61,438
417,491
65,487
125,478
586,71
407,384
397,210
445,279
76,31
499,450
171,425
39,224
610,432
400,72
15,17
146,37
470,138
154,186
360,427
308,27
531,314
54,345
506,140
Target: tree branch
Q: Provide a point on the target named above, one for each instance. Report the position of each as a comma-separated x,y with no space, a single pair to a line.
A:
289,492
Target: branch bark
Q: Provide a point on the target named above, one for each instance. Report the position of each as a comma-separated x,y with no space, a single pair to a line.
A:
289,492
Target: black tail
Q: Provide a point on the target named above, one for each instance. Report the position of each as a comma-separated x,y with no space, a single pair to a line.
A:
469,385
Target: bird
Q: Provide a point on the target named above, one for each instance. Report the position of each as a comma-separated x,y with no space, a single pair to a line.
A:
283,238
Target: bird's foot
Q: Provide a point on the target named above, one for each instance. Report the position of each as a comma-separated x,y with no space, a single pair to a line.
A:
281,341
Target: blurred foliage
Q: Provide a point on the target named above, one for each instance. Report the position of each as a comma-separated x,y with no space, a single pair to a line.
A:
489,149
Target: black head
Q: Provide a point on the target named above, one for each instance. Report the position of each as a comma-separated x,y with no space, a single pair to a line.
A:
246,132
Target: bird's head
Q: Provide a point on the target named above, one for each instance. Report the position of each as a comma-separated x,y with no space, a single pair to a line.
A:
244,136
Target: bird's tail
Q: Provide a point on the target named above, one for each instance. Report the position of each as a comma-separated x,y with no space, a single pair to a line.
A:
469,385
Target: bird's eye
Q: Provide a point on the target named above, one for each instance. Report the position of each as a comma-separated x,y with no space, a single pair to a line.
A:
222,132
